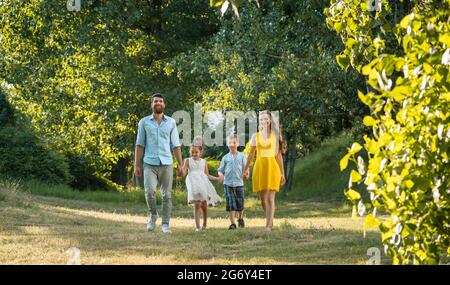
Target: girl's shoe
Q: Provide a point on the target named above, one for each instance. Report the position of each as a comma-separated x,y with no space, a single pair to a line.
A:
197,230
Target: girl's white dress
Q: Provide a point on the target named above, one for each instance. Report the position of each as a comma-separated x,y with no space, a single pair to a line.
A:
198,186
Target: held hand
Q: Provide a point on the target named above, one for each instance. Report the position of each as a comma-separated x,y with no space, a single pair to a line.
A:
246,175
283,180
220,179
180,172
137,171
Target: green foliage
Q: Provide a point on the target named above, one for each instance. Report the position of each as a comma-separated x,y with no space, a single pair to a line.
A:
406,61
274,58
85,78
6,111
25,156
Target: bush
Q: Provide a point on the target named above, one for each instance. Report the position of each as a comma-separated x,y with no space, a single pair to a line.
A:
25,156
6,111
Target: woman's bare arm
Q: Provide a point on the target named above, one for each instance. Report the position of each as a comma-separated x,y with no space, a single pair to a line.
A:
279,159
251,153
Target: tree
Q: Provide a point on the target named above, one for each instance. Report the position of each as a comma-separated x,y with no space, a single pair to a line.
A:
85,78
403,49
279,56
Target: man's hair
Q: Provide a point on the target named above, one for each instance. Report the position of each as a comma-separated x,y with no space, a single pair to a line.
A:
157,95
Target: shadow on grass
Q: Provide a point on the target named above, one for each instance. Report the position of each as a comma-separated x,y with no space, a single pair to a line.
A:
252,209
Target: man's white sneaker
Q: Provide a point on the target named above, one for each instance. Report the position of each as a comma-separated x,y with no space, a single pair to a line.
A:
151,225
165,229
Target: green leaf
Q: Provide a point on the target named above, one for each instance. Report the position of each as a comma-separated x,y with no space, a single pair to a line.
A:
356,147
409,184
344,162
355,176
399,93
343,61
369,121
352,195
216,3
338,27
445,38
364,98
370,221
404,23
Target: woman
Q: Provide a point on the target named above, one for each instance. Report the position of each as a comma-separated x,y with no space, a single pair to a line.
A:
268,172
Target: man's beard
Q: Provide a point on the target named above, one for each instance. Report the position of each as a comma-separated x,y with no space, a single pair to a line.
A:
158,109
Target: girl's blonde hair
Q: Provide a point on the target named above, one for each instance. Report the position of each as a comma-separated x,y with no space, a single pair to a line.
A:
198,143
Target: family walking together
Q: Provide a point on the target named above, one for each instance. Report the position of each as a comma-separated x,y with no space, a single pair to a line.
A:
158,141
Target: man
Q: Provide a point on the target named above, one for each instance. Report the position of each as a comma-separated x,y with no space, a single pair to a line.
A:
157,138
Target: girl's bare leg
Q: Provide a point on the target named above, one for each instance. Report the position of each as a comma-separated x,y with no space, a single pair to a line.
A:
197,213
205,213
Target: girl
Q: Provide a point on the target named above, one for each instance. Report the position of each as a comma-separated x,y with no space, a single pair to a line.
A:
201,192
268,172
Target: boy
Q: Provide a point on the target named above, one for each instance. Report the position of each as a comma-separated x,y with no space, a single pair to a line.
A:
232,177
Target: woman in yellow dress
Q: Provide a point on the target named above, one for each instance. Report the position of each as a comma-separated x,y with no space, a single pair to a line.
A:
268,171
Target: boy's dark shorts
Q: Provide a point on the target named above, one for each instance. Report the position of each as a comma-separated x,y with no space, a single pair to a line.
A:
234,197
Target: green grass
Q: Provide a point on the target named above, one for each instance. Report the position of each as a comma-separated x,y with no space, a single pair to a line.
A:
313,225
317,176
41,231
133,195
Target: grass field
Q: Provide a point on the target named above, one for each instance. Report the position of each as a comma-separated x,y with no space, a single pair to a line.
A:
40,222
39,230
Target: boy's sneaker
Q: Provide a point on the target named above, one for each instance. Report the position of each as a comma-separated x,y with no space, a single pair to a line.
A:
241,223
165,229
232,227
151,225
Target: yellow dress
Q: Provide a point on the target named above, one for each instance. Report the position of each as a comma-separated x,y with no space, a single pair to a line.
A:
266,172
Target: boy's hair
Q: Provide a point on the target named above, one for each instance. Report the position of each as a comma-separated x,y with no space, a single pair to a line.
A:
233,136
158,95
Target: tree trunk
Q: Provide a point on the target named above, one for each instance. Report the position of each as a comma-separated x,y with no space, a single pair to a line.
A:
119,172
289,161
123,173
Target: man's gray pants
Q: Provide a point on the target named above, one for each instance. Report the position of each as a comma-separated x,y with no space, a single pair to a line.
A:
162,176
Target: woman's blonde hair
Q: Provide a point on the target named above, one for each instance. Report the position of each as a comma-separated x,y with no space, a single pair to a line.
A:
278,131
